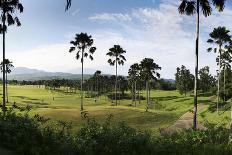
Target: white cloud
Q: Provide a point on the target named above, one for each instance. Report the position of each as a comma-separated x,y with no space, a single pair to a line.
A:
74,13
110,17
160,33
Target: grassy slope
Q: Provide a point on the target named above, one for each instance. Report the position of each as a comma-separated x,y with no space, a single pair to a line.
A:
167,108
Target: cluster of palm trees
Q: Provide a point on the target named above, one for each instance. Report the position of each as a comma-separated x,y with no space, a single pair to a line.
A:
8,10
191,7
146,71
222,42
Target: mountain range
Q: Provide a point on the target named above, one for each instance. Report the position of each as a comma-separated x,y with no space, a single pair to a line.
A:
28,74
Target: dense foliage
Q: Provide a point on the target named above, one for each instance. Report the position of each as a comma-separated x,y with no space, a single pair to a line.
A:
25,135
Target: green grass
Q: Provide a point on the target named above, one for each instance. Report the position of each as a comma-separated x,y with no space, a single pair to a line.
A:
166,108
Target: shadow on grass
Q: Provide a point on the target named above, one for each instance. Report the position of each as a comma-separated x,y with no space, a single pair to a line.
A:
183,100
26,98
166,98
36,103
222,107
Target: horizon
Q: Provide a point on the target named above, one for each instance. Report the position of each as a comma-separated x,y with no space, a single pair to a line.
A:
44,36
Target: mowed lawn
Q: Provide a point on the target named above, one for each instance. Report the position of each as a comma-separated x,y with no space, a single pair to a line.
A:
166,107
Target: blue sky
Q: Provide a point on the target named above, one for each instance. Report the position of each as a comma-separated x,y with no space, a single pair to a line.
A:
144,28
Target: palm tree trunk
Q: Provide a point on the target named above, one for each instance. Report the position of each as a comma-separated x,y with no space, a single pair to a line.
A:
82,79
219,75
135,93
4,70
132,93
116,81
147,96
6,90
224,83
196,66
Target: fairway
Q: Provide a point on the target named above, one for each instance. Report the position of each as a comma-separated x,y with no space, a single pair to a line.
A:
166,107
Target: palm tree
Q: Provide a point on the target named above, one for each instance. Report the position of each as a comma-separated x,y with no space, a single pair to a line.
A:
220,37
148,72
8,65
116,58
68,4
83,44
134,73
226,59
8,8
96,76
190,7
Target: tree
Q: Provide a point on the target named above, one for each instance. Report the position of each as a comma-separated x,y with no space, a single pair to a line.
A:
190,7
83,44
8,65
184,80
134,74
226,59
68,4
219,37
97,76
206,80
8,17
148,72
116,58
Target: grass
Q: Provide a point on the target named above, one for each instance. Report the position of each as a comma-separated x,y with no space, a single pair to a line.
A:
166,107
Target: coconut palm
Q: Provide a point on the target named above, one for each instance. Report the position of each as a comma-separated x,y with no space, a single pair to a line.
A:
190,7
116,58
8,9
149,72
83,45
8,65
219,37
134,74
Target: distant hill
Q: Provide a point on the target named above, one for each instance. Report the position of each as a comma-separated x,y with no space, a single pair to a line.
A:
23,73
28,74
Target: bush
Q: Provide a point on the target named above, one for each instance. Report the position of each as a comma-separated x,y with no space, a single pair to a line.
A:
34,135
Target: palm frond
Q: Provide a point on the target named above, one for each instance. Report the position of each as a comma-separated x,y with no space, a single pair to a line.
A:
219,4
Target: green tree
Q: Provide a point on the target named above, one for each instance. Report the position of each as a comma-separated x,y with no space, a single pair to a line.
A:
219,37
8,66
184,80
116,58
83,44
134,77
226,59
8,9
97,76
206,80
190,7
149,72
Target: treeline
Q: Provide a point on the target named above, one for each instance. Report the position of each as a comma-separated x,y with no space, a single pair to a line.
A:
206,81
98,83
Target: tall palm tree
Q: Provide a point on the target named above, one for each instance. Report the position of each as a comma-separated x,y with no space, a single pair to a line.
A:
134,74
190,7
220,37
8,9
116,58
83,45
149,72
8,65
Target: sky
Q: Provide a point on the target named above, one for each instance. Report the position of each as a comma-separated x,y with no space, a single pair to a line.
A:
144,28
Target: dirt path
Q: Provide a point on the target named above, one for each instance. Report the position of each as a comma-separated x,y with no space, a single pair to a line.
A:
185,122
